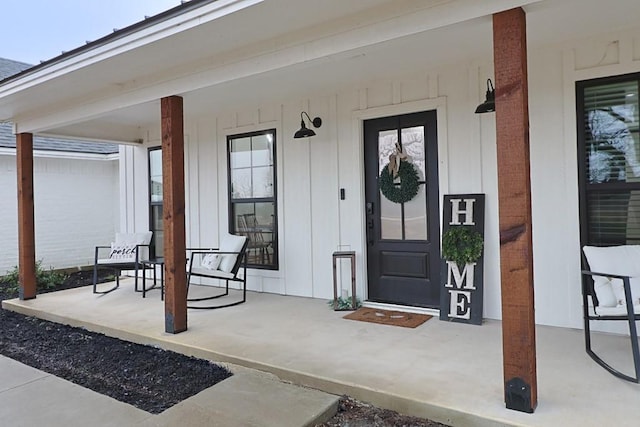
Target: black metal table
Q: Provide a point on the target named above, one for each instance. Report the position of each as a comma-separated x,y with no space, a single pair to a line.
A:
153,263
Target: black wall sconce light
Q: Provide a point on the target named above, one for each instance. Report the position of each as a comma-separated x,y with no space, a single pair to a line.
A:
304,131
489,104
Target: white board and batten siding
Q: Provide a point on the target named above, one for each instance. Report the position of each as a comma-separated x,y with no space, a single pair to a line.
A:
313,221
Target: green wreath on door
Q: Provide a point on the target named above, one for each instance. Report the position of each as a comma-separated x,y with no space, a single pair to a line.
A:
409,183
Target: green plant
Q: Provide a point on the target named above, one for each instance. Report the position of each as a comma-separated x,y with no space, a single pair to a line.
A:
45,279
462,244
344,303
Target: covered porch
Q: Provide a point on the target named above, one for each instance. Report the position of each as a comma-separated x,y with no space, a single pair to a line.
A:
444,371
206,73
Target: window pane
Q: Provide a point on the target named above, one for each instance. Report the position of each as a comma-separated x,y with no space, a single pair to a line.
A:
256,221
413,146
263,182
155,202
155,175
262,149
614,217
158,238
415,216
156,217
611,132
241,183
240,156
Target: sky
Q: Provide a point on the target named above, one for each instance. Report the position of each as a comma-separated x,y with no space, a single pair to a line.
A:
37,30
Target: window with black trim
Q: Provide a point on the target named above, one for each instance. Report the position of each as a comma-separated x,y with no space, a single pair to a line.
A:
155,201
609,160
253,196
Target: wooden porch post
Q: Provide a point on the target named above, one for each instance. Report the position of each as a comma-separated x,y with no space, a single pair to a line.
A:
26,223
173,209
514,188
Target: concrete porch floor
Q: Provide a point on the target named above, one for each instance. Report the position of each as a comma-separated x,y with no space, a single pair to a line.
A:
447,372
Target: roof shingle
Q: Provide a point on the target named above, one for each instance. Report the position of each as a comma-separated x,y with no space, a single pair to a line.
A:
8,140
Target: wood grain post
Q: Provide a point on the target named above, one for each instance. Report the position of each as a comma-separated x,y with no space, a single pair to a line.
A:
514,188
26,223
175,302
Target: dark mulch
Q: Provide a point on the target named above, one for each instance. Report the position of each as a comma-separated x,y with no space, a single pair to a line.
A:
145,377
352,413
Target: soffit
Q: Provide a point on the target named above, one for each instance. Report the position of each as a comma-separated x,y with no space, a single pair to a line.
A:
208,54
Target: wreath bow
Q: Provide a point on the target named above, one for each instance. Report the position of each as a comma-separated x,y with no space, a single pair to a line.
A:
394,160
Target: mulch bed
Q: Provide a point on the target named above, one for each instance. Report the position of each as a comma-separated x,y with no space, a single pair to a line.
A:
146,377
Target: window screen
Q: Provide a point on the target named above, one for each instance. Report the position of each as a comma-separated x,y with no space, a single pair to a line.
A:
609,160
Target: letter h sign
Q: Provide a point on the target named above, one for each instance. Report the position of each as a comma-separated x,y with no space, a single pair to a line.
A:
461,293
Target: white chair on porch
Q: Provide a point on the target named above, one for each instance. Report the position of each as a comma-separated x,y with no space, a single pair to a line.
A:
612,283
125,253
223,263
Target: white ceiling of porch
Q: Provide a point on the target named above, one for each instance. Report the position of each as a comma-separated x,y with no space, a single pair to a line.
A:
549,21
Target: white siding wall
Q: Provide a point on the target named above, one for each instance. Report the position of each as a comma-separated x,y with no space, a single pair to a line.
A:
76,208
313,222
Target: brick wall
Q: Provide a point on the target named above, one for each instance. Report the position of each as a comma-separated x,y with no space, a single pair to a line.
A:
76,208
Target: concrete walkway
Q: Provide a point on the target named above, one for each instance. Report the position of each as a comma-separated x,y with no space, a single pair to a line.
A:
29,397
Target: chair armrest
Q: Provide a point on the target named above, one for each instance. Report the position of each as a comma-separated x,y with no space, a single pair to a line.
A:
611,276
214,252
626,286
97,251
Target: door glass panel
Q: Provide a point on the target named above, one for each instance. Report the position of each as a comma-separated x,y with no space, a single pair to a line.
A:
415,216
413,146
386,145
390,219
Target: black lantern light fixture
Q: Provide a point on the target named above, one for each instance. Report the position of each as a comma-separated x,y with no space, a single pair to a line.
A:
304,131
489,104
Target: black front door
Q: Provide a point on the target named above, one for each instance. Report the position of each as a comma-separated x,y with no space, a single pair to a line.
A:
403,250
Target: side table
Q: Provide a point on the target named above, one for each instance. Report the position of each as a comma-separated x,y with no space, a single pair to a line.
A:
152,264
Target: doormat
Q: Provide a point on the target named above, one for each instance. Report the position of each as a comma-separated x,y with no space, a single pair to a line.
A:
386,317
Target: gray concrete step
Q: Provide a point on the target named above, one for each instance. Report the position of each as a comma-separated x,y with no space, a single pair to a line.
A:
30,397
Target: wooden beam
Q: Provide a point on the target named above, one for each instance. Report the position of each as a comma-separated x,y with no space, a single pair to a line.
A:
26,223
514,194
173,209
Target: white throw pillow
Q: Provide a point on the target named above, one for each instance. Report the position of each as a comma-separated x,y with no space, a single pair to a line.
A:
211,261
230,243
604,292
126,252
619,260
143,238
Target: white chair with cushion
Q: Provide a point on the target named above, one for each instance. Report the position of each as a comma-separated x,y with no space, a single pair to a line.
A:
612,281
125,253
223,263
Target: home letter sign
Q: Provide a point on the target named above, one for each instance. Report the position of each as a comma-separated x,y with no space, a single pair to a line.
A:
461,294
